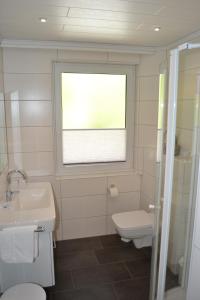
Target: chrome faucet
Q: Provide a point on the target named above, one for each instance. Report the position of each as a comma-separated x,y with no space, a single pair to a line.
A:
9,193
20,172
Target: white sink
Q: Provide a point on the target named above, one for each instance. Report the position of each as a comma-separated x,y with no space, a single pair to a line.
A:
32,205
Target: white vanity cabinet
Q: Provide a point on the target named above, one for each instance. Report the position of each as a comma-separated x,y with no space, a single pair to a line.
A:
40,272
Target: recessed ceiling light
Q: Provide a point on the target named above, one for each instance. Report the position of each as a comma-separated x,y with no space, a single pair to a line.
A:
43,20
157,29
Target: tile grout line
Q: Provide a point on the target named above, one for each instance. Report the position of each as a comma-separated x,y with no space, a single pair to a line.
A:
72,279
127,269
114,291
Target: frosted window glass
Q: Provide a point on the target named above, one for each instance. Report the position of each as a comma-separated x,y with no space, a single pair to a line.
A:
93,146
93,101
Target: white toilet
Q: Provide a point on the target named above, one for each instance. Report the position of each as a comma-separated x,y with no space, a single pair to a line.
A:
24,291
136,226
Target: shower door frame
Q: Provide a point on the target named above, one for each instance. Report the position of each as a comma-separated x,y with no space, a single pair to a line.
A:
168,183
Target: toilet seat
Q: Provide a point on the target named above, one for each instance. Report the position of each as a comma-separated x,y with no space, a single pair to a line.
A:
136,226
24,291
133,219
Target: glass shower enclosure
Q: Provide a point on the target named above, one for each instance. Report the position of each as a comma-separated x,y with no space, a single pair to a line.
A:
177,173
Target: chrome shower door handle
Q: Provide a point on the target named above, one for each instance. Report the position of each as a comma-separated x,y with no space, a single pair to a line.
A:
152,206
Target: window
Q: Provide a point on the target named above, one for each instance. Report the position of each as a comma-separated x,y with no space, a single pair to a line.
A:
94,111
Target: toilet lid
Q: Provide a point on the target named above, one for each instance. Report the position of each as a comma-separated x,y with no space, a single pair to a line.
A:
24,291
133,219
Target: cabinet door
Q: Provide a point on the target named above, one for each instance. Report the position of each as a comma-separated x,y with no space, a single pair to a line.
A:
40,272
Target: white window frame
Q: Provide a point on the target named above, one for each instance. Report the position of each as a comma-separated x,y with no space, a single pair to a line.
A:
96,168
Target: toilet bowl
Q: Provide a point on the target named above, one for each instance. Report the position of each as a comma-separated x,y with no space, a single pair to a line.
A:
24,291
136,226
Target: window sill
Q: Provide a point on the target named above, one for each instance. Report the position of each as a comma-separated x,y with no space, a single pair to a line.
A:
61,176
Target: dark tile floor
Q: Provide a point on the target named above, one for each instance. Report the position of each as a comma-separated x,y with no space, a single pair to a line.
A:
101,268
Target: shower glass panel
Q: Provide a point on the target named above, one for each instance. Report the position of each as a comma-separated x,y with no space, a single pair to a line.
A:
160,162
185,168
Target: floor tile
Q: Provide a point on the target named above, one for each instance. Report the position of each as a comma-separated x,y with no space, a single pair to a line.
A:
63,281
100,275
49,294
147,251
117,254
100,268
112,240
77,245
137,289
171,280
104,292
76,260
139,268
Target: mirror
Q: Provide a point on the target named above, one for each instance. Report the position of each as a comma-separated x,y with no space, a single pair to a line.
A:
3,136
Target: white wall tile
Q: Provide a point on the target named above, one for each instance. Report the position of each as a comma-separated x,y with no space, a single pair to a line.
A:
83,197
95,226
186,114
78,228
3,181
150,64
124,202
82,56
148,186
145,201
1,60
185,138
27,86
136,135
83,207
95,205
150,161
58,225
3,185
18,60
147,136
137,86
58,209
194,286
125,183
137,112
83,186
190,59
138,158
110,227
30,139
1,87
58,232
73,229
35,164
188,84
149,88
28,113
148,112
128,58
72,208
2,114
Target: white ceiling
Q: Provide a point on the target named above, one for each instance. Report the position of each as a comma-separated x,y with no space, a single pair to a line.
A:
105,21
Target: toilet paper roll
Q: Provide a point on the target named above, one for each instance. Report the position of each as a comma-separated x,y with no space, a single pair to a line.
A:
113,191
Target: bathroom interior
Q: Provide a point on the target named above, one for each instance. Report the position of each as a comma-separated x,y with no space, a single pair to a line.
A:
99,150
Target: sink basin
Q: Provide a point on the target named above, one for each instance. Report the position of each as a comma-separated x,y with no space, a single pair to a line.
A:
32,205
32,199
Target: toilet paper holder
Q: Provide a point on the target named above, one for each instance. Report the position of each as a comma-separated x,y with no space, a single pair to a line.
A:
113,191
